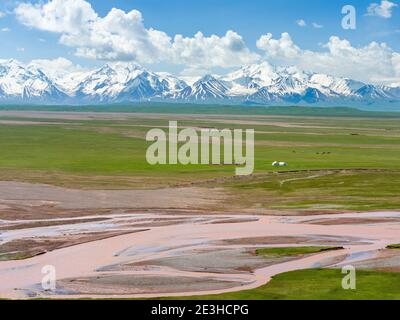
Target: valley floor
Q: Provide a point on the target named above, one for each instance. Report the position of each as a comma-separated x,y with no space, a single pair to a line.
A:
76,193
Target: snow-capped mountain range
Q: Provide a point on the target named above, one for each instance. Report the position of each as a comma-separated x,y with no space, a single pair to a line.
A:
127,82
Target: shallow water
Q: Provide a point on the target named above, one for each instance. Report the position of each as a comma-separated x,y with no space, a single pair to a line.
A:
18,279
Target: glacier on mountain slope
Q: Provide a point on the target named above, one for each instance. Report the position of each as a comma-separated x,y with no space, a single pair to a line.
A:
128,82
208,88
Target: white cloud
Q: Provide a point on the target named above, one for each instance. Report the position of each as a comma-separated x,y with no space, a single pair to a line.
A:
56,67
226,51
301,23
21,49
384,9
63,16
2,14
122,36
5,30
375,62
283,47
317,26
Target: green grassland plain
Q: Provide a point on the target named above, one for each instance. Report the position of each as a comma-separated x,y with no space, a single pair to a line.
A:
341,159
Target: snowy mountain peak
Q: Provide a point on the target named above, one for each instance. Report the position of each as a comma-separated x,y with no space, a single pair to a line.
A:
206,88
20,83
129,82
287,84
126,82
206,78
255,75
126,68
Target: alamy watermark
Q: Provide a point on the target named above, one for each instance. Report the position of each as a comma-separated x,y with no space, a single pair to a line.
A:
49,278
202,146
349,21
349,280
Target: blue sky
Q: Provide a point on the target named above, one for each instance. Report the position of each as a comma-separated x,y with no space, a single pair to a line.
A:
27,41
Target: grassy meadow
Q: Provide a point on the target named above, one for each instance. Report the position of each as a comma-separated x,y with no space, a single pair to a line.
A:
317,284
292,251
336,161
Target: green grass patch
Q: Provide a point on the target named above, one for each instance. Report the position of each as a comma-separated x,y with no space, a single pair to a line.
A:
293,251
317,284
354,190
14,256
393,246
